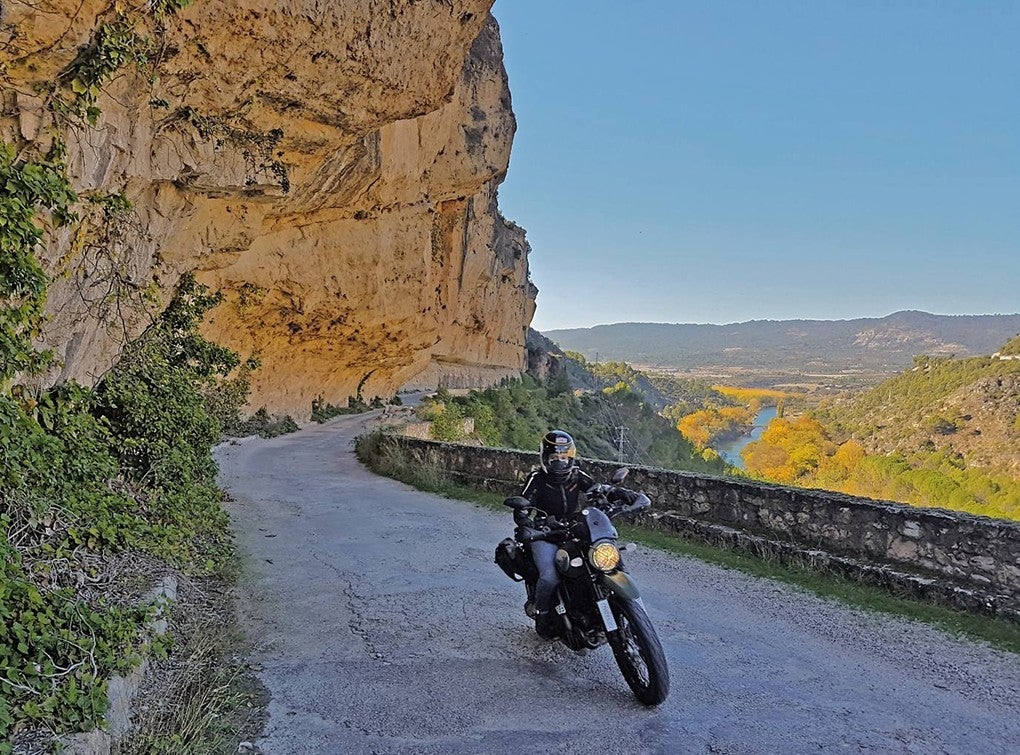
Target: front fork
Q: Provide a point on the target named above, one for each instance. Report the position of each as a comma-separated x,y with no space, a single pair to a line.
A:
603,585
618,584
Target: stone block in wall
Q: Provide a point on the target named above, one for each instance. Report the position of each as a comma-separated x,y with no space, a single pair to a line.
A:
845,515
903,549
1012,572
986,563
910,529
421,430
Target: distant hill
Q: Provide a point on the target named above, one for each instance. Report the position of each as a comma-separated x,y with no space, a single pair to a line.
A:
885,344
966,408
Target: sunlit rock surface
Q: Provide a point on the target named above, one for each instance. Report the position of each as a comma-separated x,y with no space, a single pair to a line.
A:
332,167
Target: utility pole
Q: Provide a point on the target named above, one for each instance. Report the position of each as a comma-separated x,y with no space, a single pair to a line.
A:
621,440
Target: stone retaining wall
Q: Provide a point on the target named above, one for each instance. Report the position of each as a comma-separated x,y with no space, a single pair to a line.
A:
968,561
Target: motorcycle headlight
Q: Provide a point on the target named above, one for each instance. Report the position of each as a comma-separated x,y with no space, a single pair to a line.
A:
604,556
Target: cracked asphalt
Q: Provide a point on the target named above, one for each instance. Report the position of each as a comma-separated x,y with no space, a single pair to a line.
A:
381,625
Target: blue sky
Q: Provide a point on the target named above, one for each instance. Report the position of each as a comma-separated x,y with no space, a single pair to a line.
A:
722,161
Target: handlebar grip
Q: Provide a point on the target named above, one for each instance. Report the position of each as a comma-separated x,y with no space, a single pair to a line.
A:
642,503
530,534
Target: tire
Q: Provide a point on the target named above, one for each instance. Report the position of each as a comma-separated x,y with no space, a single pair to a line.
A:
638,652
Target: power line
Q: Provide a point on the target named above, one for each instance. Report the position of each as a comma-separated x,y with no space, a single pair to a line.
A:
622,438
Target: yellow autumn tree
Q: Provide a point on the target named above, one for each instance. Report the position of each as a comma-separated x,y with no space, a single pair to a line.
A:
695,427
841,469
789,449
704,427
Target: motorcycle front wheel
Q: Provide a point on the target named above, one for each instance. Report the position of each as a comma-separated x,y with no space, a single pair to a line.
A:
638,652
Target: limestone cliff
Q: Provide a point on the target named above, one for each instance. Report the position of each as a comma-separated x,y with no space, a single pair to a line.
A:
332,167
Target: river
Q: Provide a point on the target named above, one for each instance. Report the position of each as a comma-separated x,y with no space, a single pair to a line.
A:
730,450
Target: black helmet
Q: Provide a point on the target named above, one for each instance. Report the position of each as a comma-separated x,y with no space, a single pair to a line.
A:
558,454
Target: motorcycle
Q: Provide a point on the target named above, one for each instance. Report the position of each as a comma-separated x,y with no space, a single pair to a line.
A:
598,603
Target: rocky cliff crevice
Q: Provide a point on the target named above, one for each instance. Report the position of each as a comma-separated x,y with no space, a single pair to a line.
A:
332,167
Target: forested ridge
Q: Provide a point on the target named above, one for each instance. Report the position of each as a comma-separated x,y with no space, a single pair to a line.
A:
884,345
944,433
967,405
1012,348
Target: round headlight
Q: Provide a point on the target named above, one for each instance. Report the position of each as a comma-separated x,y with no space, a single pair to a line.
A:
604,556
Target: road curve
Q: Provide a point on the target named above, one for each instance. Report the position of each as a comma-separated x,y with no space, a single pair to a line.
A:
380,625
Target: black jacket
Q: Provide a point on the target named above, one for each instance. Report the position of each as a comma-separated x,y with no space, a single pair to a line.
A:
556,499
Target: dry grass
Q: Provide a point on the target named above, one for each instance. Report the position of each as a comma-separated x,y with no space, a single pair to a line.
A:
203,698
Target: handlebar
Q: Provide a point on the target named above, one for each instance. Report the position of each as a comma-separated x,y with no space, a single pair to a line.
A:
530,534
642,503
555,531
597,495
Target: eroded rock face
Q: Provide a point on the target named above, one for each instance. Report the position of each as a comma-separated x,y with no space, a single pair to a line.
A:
332,167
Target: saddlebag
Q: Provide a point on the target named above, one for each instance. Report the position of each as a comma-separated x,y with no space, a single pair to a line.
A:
510,559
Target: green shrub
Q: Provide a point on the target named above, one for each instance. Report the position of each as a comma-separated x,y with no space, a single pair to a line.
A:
29,186
127,465
323,411
448,423
261,423
58,652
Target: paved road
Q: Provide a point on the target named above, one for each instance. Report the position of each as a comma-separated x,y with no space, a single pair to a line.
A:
381,626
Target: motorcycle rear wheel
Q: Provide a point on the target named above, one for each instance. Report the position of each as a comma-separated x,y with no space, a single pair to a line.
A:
638,652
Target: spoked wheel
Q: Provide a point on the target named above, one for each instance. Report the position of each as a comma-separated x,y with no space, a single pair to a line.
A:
639,653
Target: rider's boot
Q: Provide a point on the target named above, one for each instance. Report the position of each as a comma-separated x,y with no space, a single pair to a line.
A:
546,625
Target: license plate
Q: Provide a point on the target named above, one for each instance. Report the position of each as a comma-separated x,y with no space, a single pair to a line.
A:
607,615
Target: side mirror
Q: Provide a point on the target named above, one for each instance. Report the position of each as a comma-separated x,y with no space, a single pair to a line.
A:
517,502
619,475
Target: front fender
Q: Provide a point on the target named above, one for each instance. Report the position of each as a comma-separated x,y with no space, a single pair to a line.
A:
618,583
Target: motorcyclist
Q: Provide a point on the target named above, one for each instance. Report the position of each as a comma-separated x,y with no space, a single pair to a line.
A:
558,488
